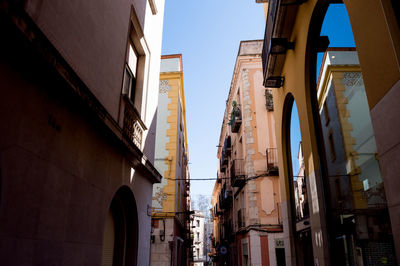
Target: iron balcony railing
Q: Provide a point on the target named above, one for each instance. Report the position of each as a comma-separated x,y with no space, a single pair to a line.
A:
272,161
236,119
133,126
238,176
225,197
223,162
226,150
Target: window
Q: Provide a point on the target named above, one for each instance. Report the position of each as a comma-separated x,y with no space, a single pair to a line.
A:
326,114
136,66
332,146
198,223
245,254
198,237
131,73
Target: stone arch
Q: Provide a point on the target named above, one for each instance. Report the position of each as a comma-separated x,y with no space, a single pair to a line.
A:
368,64
297,200
287,173
120,243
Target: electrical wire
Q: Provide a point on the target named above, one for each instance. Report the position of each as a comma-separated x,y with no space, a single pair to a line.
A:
197,179
248,178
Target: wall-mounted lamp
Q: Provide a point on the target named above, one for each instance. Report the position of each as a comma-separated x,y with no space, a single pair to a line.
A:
274,82
280,46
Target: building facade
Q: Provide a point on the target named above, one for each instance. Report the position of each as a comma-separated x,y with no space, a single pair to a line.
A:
246,200
171,201
348,125
362,224
208,235
79,96
198,233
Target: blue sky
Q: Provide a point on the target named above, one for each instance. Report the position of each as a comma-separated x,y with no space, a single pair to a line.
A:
337,27
207,33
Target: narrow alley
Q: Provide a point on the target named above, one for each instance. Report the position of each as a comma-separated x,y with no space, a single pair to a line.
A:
209,133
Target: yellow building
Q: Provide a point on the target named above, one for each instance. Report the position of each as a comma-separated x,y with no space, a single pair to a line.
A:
291,45
170,215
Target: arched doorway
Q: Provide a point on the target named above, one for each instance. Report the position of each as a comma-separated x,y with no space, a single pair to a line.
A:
120,239
358,221
297,183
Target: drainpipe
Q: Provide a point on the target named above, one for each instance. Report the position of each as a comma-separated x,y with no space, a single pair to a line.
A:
171,247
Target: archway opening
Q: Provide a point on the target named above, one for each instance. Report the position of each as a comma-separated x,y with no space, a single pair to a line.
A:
300,212
359,226
120,241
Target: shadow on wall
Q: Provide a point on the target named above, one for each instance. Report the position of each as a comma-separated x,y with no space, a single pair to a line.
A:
150,143
139,7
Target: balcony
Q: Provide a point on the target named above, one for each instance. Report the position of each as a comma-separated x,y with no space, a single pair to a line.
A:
236,119
225,197
238,177
274,53
133,126
223,162
272,161
227,149
217,210
272,11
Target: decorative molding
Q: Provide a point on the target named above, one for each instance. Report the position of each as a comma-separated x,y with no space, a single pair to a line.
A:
132,128
164,86
352,78
153,7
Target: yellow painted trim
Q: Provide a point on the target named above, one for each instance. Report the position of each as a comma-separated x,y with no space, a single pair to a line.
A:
176,96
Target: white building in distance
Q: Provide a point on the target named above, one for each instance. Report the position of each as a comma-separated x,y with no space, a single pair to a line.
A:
197,226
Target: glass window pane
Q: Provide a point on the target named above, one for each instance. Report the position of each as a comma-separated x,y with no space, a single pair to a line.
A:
132,60
127,81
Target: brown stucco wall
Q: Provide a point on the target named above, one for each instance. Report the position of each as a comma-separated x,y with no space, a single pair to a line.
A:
92,38
58,170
